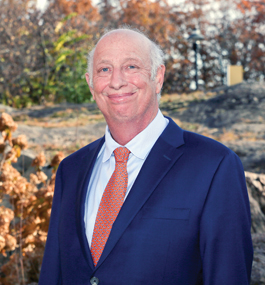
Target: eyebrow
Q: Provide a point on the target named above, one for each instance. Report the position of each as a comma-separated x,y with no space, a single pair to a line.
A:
103,61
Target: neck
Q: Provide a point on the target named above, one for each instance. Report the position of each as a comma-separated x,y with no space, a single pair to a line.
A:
124,131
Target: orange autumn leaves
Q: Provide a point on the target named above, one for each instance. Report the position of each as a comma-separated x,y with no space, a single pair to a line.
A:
24,220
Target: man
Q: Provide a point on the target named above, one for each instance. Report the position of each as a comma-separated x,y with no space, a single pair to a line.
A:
149,203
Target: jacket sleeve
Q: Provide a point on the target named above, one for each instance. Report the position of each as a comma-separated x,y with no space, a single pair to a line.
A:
225,237
50,270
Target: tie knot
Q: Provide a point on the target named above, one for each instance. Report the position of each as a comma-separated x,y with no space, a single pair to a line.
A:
121,154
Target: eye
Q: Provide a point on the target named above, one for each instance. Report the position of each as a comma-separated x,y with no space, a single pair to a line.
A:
131,67
105,69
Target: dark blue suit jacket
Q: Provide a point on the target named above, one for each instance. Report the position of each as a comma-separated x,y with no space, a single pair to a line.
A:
185,221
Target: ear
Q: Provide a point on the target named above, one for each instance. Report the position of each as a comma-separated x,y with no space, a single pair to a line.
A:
160,78
88,83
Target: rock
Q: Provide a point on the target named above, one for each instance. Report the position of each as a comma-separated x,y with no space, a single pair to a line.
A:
258,267
245,101
251,153
256,190
23,164
256,184
257,217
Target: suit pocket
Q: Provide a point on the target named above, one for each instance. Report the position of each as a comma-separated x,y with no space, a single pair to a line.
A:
166,213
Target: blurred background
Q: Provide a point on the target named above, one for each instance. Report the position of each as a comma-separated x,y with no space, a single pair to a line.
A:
43,44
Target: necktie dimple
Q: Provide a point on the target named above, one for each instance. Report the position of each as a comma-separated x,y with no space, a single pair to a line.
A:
110,203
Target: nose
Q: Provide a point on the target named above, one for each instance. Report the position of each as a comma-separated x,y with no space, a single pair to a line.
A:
118,79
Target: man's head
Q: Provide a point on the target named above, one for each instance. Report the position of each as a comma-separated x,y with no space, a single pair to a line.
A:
156,56
126,73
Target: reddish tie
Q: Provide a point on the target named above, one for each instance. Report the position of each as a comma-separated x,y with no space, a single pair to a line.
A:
110,203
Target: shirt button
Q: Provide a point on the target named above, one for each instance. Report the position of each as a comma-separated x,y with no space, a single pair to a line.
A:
94,281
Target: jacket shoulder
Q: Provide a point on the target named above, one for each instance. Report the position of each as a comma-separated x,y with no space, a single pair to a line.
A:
203,145
87,150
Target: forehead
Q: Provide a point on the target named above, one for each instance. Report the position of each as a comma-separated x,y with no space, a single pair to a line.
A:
118,45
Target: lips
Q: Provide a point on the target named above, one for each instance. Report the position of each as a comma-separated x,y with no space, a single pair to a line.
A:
120,97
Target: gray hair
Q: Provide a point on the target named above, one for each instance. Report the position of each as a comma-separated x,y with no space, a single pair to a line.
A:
156,55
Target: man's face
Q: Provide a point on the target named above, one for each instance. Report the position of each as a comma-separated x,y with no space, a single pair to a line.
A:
122,85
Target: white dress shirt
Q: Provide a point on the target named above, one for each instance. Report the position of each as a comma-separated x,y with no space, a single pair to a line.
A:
139,146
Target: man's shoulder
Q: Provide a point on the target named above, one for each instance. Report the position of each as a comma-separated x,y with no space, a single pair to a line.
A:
195,142
208,153
86,151
205,146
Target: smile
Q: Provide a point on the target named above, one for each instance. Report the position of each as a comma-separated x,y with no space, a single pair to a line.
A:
120,97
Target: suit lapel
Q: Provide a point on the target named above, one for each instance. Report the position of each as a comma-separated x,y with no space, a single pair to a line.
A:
86,167
162,157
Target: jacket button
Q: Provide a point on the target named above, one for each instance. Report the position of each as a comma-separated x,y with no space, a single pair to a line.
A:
94,281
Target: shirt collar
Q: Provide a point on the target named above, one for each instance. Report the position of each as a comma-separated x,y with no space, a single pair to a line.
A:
141,144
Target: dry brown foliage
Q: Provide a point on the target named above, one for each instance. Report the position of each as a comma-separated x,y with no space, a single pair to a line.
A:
24,227
20,141
7,123
39,160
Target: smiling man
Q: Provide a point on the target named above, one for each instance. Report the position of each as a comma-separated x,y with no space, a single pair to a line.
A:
122,84
149,203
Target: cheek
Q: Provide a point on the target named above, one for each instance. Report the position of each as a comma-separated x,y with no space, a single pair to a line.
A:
100,83
138,80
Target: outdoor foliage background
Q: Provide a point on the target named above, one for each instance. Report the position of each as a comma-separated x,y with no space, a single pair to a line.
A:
43,53
24,222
